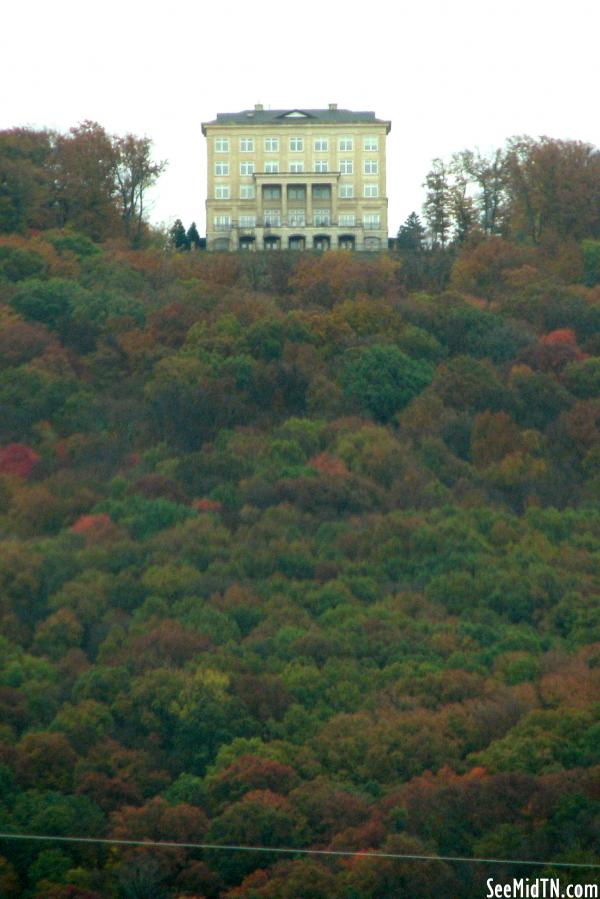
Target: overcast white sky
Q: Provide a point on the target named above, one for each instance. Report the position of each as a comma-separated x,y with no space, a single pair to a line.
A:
449,75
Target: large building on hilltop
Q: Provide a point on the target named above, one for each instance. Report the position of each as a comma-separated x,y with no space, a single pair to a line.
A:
296,179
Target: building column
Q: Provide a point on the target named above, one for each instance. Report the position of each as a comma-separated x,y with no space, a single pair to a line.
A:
334,203
284,205
259,205
309,206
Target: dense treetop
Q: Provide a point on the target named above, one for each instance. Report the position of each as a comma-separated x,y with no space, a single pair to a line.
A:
297,551
86,179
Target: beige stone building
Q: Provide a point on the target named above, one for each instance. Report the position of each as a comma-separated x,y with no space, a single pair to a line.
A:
296,179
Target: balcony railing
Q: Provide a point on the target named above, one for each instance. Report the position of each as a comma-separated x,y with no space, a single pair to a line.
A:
267,225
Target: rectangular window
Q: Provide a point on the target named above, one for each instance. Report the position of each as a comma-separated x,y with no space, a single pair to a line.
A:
246,145
271,145
296,144
371,144
371,190
346,191
321,144
221,169
247,192
272,217
296,166
321,165
246,168
221,145
371,167
247,221
271,193
297,218
271,166
322,217
321,192
296,193
346,145
372,220
346,167
347,219
221,191
222,222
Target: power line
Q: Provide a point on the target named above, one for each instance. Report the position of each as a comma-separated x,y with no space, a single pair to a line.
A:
166,844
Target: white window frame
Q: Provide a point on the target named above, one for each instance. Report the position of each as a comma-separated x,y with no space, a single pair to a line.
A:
222,192
321,165
321,145
246,168
372,221
346,192
221,145
271,145
371,144
273,187
371,166
346,144
297,218
247,221
347,219
322,218
296,165
271,166
346,167
247,192
222,169
272,217
371,191
246,145
296,145
222,222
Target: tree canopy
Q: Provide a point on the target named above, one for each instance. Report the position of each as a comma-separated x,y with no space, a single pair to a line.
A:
296,551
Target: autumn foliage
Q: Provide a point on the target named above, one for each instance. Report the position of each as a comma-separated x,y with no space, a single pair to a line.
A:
18,459
293,556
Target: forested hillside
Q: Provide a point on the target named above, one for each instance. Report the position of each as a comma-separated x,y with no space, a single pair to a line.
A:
298,551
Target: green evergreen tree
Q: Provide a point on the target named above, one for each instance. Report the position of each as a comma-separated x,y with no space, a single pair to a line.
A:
178,237
192,236
411,235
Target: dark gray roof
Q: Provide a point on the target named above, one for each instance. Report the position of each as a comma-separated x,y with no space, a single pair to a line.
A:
282,116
